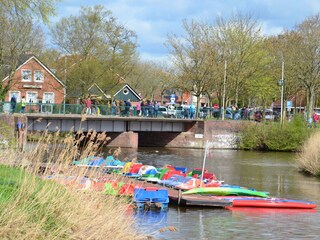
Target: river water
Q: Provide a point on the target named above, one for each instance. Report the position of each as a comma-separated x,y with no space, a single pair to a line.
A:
268,171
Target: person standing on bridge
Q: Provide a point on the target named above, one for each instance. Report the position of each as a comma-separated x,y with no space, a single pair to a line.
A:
127,108
138,107
315,119
13,102
192,110
23,105
114,108
156,109
88,105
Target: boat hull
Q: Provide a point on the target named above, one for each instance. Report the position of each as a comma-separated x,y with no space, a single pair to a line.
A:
227,191
270,203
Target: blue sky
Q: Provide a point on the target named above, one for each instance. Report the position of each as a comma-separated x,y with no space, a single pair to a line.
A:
153,20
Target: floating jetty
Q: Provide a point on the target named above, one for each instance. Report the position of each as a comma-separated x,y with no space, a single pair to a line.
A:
197,200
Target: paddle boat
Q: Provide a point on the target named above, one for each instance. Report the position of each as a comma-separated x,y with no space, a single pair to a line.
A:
163,174
174,180
150,197
154,178
134,169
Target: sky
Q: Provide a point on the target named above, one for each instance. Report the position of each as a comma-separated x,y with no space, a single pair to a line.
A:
154,20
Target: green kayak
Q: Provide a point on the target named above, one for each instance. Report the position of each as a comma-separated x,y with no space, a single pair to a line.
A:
227,191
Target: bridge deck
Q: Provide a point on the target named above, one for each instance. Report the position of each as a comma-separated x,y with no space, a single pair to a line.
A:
66,122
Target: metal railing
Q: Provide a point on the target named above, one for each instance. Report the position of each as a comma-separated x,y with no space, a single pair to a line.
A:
50,108
123,111
103,110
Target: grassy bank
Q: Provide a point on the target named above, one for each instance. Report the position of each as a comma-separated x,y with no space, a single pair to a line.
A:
308,159
274,137
7,138
35,208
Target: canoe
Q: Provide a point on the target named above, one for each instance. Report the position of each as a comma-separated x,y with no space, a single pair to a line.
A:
227,191
269,202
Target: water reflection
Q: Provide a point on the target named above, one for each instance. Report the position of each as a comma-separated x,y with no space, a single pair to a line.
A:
272,172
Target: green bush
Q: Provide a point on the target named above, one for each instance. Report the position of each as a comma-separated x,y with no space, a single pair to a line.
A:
274,137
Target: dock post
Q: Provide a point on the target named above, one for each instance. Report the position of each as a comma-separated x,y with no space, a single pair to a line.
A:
179,196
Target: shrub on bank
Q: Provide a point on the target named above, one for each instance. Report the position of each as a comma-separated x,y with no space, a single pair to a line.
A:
274,137
308,159
35,208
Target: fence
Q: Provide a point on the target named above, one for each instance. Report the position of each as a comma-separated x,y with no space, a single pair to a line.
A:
123,111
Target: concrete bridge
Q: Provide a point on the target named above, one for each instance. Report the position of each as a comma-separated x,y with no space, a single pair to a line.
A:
124,131
75,122
138,131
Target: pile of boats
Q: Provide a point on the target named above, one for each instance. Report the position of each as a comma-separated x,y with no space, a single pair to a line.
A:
197,182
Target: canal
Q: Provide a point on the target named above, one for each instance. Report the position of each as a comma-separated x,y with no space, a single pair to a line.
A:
268,171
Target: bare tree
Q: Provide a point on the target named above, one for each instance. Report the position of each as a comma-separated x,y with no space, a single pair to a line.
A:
192,59
306,52
19,34
238,39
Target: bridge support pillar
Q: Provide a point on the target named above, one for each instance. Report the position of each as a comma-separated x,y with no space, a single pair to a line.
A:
124,139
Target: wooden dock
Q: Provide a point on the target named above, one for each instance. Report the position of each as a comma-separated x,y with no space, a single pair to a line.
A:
196,200
175,195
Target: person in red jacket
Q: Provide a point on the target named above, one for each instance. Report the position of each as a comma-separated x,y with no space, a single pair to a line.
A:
88,105
315,119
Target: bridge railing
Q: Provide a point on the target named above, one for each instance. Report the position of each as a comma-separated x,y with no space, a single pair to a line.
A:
50,108
104,110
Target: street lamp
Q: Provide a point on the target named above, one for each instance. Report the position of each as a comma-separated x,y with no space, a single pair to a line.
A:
224,88
282,83
65,82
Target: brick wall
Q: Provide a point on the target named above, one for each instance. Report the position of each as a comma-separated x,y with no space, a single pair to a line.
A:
221,134
50,84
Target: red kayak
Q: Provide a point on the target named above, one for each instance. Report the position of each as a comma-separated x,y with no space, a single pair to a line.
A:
269,202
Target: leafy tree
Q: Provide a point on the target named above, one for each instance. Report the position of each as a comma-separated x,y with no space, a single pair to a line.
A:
98,44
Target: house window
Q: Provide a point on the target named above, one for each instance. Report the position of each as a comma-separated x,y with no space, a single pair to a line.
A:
48,97
32,97
17,94
26,75
38,76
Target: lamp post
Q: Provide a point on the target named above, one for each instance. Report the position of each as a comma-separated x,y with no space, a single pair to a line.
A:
282,83
65,82
224,88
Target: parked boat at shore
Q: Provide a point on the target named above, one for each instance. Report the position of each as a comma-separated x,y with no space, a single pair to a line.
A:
226,191
258,202
201,187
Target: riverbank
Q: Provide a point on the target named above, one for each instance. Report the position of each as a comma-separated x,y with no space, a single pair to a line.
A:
35,208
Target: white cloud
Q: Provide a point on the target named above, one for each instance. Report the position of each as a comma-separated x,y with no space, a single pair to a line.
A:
152,20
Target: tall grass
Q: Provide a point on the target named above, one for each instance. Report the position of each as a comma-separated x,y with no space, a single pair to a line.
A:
308,159
273,136
7,138
38,208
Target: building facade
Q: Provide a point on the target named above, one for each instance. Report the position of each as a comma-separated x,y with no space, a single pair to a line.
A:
127,93
36,82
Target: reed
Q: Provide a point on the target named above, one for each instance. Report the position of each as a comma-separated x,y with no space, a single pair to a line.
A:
308,159
34,207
